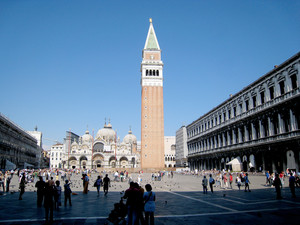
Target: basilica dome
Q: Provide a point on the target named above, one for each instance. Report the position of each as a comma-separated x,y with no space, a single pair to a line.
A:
129,138
87,137
106,133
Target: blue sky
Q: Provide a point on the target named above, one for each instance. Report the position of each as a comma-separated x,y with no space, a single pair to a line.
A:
68,64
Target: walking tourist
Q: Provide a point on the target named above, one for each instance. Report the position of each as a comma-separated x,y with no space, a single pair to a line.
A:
277,185
22,186
106,183
247,182
98,183
204,184
292,181
211,183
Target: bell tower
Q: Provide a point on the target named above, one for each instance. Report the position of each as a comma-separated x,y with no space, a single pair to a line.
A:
152,112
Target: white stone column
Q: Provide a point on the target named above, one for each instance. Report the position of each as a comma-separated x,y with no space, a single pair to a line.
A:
215,141
270,127
253,132
240,135
233,137
280,124
223,139
293,121
219,137
228,138
246,134
261,130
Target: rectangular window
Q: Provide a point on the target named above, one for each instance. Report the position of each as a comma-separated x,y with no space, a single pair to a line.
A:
294,81
247,105
224,116
229,113
254,101
281,85
234,111
220,118
262,97
271,90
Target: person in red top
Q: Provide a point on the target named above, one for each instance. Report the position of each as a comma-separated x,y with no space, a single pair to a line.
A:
132,195
230,180
225,181
281,176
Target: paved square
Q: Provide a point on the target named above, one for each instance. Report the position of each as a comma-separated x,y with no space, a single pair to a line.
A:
178,201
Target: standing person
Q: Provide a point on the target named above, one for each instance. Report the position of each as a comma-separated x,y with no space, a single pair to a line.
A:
40,185
86,184
140,204
211,183
149,198
67,193
267,178
225,181
106,183
238,181
247,182
48,202
131,194
292,181
57,195
7,183
98,183
22,186
204,184
277,184
230,180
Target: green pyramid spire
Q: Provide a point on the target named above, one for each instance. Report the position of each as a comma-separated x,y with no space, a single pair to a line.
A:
151,41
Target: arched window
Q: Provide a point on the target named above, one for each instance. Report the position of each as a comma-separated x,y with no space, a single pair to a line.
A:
146,72
157,73
150,72
153,72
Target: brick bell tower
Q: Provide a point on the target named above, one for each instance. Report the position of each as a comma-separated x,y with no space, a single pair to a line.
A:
152,116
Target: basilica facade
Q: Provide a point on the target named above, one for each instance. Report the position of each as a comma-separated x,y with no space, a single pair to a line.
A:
105,151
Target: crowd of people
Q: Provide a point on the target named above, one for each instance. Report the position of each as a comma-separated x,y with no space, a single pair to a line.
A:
52,184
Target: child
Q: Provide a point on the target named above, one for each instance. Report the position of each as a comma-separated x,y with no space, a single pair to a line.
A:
67,192
57,195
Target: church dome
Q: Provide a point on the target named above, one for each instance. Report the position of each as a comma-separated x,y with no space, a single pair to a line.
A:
87,137
129,138
106,133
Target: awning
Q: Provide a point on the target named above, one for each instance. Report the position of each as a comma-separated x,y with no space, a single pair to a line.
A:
235,161
9,165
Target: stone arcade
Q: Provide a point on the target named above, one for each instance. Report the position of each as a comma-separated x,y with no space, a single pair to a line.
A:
258,126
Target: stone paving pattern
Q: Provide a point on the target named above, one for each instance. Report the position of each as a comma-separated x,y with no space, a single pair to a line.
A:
178,201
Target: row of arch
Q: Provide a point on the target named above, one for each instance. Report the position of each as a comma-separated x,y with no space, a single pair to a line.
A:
169,158
152,72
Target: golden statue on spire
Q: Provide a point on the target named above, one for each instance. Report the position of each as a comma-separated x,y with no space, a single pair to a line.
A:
150,20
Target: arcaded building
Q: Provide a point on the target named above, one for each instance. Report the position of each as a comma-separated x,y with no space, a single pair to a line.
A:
258,126
18,149
152,106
